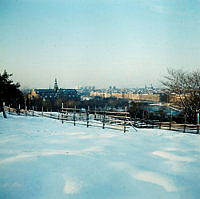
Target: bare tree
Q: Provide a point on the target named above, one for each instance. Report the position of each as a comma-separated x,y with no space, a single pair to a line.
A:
186,88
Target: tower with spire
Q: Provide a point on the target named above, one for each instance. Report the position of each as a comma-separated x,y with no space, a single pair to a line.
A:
56,86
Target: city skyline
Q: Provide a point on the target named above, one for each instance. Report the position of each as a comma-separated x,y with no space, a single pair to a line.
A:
104,42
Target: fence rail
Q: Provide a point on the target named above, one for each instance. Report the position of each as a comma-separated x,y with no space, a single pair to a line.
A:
186,128
105,119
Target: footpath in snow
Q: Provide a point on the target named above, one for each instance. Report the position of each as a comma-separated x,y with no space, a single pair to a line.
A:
41,158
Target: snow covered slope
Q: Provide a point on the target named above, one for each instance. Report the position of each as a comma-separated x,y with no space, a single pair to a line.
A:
42,158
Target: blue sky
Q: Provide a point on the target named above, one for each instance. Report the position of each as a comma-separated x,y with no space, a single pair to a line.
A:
125,43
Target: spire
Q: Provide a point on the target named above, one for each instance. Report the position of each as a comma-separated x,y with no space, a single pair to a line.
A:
56,85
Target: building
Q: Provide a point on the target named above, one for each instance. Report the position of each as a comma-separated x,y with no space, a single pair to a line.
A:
55,93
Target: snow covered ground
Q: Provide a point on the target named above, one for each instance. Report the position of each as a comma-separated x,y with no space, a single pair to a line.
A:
42,158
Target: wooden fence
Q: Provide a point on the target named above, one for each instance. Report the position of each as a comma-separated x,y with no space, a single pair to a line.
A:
105,119
186,128
19,111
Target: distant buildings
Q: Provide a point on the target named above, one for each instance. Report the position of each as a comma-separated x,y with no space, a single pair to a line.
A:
86,93
155,97
55,93
139,94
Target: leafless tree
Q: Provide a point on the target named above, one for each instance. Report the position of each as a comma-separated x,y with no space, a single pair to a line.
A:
186,88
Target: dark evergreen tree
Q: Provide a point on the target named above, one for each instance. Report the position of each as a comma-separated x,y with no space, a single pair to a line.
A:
9,91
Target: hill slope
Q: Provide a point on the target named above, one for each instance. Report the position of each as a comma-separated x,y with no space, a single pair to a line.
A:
43,158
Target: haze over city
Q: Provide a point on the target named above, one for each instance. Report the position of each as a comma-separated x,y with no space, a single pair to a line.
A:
126,43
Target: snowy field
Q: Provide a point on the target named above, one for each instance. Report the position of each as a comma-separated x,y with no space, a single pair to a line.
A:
42,158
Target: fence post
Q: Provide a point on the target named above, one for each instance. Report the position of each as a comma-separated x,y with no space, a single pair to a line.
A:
33,111
87,116
198,129
170,126
18,112
95,113
42,111
26,110
184,128
197,118
74,116
104,115
4,113
60,112
125,124
62,117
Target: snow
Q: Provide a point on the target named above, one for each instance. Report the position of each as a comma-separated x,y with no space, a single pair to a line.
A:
41,158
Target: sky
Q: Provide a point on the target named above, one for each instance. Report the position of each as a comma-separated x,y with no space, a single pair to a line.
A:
122,43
